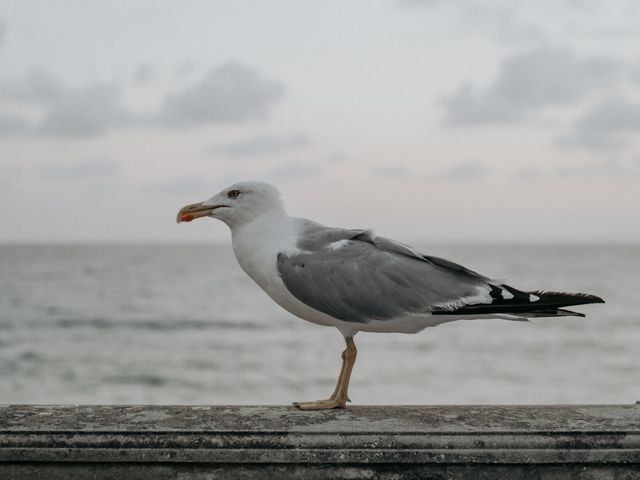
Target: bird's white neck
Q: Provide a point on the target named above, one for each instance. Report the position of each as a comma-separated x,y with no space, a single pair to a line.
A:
256,244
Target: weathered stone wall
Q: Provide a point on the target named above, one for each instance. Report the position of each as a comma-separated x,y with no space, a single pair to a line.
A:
232,442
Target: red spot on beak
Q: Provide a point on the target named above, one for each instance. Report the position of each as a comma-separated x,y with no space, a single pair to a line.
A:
186,217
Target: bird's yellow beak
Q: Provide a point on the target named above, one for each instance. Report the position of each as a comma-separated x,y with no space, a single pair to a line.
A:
195,210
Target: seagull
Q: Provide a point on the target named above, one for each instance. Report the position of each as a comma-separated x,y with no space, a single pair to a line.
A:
356,281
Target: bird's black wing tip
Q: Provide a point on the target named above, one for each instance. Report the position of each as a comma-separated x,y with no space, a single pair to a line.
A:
592,298
583,298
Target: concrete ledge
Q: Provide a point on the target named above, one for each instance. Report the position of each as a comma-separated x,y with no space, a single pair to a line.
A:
400,442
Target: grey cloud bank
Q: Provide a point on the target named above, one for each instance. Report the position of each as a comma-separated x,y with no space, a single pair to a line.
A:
227,94
10,124
67,111
144,74
604,126
86,111
529,81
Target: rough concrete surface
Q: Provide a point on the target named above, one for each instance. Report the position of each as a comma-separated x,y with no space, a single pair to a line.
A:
399,442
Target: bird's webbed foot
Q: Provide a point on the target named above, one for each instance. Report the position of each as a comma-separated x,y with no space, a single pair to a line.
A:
327,404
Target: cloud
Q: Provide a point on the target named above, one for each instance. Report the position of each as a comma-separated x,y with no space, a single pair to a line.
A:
99,168
144,74
10,124
3,30
605,126
38,85
229,93
66,111
465,172
529,81
394,170
261,145
86,111
615,114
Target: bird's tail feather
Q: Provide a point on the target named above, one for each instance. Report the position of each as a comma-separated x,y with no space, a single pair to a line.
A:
538,303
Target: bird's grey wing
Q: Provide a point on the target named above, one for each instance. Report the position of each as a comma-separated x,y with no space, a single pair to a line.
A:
356,277
401,248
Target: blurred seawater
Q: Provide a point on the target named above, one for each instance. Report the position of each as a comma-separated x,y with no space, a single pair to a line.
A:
177,324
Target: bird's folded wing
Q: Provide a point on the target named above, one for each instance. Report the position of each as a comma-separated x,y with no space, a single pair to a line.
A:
360,278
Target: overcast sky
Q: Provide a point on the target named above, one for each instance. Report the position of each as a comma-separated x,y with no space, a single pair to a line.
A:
425,120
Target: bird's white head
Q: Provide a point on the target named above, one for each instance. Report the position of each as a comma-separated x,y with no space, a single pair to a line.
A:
239,204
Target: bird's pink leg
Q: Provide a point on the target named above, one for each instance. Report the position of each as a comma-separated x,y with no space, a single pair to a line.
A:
341,376
340,396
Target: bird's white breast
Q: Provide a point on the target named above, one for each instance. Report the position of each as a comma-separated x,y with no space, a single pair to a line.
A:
256,247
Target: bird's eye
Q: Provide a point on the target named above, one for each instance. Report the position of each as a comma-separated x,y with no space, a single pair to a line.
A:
233,193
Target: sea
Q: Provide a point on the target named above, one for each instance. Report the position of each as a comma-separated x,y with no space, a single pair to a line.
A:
182,324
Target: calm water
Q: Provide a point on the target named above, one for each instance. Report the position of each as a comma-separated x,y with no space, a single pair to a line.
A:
182,324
